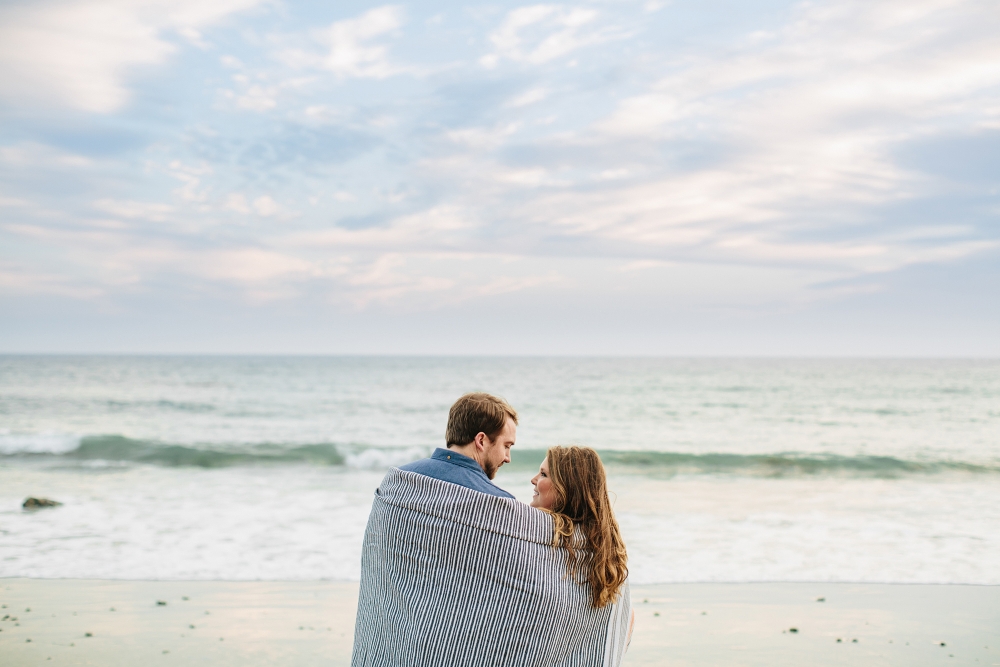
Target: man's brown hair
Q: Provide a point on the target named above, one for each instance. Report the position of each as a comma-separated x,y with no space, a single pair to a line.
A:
474,414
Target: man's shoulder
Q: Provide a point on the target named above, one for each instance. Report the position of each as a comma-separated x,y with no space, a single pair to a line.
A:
420,465
455,474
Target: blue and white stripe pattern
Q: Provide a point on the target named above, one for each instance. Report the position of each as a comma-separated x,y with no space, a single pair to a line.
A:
451,577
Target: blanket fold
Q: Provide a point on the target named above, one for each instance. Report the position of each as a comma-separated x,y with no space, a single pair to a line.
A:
451,577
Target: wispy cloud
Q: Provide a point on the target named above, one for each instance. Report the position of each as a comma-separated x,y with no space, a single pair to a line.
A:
354,47
352,51
536,34
80,53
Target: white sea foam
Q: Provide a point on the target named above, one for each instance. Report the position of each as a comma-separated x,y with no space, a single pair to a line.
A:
308,523
381,459
46,442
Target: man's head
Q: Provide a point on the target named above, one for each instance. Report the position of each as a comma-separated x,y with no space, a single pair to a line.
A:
483,427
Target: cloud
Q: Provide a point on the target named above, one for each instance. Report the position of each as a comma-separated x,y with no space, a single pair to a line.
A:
265,206
191,177
257,98
812,115
26,155
352,51
260,95
382,280
537,34
22,280
482,137
80,53
435,229
249,265
528,97
237,202
135,210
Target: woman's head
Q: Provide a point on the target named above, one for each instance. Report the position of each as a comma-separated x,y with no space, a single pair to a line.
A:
546,496
571,481
572,485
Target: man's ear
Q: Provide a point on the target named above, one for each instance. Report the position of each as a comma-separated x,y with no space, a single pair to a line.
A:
480,441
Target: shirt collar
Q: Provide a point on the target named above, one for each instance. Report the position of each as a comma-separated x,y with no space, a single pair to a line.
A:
451,456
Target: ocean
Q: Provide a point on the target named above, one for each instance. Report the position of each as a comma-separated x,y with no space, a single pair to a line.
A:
723,470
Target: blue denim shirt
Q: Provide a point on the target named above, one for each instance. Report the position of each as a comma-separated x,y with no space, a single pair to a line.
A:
456,468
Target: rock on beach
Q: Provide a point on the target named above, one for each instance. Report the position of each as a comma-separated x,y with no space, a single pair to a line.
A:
38,503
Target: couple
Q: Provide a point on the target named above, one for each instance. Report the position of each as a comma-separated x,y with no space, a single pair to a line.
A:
456,572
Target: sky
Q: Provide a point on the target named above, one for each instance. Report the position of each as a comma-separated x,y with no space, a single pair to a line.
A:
751,177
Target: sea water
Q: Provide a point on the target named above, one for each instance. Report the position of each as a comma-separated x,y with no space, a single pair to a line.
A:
721,469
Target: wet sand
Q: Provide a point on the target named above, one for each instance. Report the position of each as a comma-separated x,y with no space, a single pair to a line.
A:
81,622
816,624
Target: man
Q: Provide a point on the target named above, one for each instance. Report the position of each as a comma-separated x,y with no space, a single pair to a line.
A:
481,430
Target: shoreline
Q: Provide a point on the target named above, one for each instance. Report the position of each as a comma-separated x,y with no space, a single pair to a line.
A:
311,623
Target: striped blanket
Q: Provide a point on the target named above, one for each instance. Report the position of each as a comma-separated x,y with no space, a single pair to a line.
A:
451,577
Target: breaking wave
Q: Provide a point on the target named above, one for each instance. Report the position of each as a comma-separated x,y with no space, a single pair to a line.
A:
123,450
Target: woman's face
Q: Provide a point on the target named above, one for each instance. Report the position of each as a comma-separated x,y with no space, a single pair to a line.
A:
545,493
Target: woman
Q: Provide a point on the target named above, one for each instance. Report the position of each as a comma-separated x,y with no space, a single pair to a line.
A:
571,485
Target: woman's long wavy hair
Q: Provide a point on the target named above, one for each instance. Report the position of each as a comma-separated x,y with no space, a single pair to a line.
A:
581,491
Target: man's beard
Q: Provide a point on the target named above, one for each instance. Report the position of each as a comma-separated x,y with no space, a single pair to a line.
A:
490,469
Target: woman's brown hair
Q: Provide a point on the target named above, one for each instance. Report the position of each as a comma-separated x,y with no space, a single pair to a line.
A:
580,485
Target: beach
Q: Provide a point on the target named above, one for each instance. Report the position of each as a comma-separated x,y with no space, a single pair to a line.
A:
89,622
244,485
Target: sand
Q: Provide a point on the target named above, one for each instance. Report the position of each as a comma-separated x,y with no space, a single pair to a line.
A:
234,623
876,624
111,623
